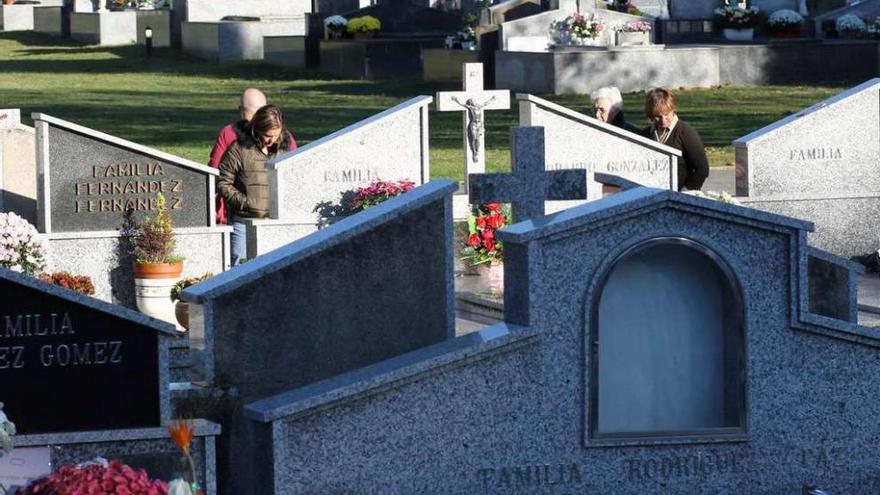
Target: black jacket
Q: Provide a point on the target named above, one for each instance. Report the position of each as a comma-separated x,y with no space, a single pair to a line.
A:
693,166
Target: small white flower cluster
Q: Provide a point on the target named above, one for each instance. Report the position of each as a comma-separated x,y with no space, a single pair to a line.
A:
784,18
7,431
336,22
577,29
851,23
22,248
723,197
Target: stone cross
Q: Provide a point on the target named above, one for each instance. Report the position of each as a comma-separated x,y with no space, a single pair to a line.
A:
473,101
528,185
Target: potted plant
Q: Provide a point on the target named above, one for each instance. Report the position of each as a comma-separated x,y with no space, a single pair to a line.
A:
851,26
482,252
334,26
156,267
181,308
363,27
737,23
785,23
634,33
22,248
8,2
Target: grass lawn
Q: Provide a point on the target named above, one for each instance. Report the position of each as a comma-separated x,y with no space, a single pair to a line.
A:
177,103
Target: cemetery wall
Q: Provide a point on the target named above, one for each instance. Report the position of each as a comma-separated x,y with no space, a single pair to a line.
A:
47,20
200,39
285,50
638,68
212,10
16,17
157,20
104,28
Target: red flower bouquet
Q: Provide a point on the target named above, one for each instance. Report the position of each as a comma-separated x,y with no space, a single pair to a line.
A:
97,478
481,246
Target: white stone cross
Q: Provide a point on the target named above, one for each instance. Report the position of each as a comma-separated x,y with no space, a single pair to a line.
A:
473,101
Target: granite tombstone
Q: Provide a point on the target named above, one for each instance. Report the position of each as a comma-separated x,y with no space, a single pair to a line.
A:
91,186
719,379
820,164
578,141
391,145
334,305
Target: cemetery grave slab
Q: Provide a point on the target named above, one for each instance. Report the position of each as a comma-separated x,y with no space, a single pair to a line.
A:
652,339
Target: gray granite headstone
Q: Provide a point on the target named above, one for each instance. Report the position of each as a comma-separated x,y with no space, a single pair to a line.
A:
821,164
606,305
391,145
575,140
326,304
90,179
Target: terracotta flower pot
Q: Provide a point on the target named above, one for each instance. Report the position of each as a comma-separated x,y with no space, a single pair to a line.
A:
158,270
8,2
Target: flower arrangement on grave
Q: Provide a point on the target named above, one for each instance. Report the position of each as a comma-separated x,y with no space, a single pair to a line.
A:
365,25
481,247
872,28
722,196
634,27
182,432
736,17
77,283
154,239
336,25
359,199
466,35
99,476
7,431
851,25
577,29
785,22
22,248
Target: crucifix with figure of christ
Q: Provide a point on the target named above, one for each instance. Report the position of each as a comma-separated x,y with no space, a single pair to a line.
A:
473,101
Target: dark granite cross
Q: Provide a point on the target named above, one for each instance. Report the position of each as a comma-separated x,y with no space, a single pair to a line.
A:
528,185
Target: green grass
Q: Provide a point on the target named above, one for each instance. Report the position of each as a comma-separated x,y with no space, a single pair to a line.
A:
177,103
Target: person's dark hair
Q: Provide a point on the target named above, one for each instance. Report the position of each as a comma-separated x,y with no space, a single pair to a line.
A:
659,101
266,118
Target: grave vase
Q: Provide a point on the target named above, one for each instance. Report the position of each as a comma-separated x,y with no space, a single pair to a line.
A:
152,289
493,276
181,314
739,34
626,38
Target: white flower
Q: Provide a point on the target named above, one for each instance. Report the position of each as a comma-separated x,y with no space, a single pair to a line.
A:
851,23
336,21
722,196
784,17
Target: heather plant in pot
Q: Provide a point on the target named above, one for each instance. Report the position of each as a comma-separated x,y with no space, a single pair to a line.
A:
156,267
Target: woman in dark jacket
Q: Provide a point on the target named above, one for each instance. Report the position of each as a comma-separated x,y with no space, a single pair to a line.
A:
668,129
244,180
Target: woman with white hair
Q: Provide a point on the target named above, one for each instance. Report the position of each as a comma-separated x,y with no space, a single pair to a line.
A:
608,107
